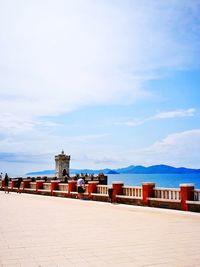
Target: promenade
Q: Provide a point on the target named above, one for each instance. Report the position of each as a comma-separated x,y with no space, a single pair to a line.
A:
47,231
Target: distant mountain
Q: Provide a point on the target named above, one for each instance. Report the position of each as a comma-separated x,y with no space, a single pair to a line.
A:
158,169
130,169
112,172
45,172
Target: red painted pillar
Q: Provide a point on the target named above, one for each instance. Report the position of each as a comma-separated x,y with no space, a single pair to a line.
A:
147,191
25,184
71,187
13,183
39,185
117,190
54,186
92,188
186,193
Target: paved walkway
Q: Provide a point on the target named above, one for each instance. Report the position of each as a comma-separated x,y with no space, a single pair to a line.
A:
49,231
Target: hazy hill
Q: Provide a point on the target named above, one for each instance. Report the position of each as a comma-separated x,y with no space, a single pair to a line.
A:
130,169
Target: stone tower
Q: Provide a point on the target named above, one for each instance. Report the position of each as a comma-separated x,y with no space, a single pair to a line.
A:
62,163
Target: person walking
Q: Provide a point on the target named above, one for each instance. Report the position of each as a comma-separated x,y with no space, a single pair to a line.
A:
6,180
19,184
80,187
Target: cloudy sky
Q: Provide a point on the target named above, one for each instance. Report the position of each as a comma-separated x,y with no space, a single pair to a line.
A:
113,83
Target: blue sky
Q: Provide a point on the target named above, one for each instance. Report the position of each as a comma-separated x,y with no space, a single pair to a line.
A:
113,83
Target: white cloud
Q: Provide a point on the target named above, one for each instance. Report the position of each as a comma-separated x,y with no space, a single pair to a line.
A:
180,113
133,123
177,149
58,56
175,114
11,124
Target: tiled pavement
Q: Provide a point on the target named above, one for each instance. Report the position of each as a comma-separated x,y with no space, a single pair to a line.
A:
49,231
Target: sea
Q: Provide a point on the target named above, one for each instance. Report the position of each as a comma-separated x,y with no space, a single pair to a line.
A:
161,180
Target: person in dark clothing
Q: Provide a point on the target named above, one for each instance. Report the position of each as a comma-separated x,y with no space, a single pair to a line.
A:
6,179
64,173
66,178
19,184
110,193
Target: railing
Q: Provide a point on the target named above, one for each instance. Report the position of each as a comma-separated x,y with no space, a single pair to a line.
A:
185,197
167,193
63,187
102,189
33,185
47,186
130,191
197,195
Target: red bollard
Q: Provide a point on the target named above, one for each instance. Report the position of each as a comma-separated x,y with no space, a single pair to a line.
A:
117,190
186,193
71,187
54,186
92,188
39,185
147,191
25,184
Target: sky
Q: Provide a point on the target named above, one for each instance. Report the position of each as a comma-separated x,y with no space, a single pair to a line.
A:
112,83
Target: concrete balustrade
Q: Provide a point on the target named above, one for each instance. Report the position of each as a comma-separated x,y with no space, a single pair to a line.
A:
185,198
46,189
102,189
197,195
33,186
134,192
167,193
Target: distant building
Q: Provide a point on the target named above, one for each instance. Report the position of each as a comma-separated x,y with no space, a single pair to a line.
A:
62,165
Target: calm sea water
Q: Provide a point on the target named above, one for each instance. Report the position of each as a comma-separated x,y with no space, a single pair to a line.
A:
161,180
